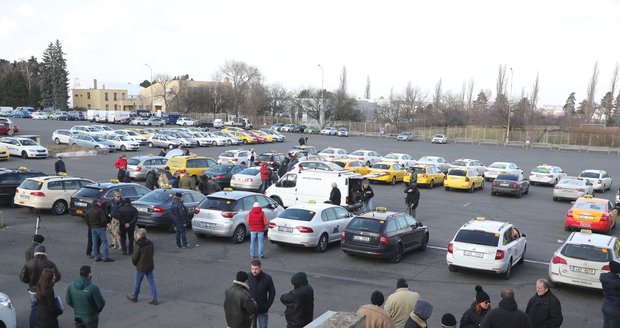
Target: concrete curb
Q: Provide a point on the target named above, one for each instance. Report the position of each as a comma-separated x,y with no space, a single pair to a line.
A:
81,153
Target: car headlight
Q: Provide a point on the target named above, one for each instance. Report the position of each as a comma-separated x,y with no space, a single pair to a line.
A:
6,302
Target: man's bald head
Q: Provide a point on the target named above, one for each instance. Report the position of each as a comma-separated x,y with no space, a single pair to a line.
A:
507,294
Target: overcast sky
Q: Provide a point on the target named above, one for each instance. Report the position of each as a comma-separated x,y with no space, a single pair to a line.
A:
393,42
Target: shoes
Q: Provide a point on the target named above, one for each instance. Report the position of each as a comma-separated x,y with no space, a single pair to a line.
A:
188,246
131,298
154,302
179,247
124,253
98,260
90,256
108,260
252,256
262,257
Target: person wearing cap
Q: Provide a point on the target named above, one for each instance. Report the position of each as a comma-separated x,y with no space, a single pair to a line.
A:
507,314
59,166
186,182
448,321
334,195
127,217
85,298
400,304
299,302
376,316
36,241
121,162
610,282
420,314
112,210
257,221
31,273
265,178
238,303
98,221
178,213
479,308
544,308
412,198
143,259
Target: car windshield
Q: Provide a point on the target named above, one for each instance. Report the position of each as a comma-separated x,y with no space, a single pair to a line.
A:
28,142
88,192
477,237
498,166
249,172
133,161
587,252
132,133
572,182
590,206
124,138
364,224
510,177
589,175
404,134
459,163
357,153
221,168
391,156
184,135
426,159
158,196
327,151
297,214
341,164
214,203
381,166
460,173
439,136
29,184
228,154
542,169
98,138
264,158
419,169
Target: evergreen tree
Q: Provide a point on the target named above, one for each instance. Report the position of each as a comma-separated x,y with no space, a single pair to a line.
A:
607,108
569,107
54,78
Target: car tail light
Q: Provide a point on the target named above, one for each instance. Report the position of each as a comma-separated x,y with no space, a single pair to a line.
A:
343,234
570,213
219,177
37,194
157,209
229,215
249,179
466,179
196,210
272,225
346,200
499,254
515,185
383,239
361,158
606,267
450,248
138,168
235,159
425,175
558,260
604,217
550,176
582,190
303,229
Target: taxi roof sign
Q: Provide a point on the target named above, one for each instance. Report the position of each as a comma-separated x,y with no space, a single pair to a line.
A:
587,196
311,201
228,189
585,231
381,209
114,181
23,168
481,218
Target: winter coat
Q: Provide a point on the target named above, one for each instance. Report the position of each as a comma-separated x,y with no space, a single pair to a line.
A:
142,256
302,141
334,196
151,180
299,304
112,208
186,182
202,184
265,173
30,251
376,317
96,218
283,167
506,315
544,311
178,212
162,180
367,193
128,214
122,175
31,272
120,162
239,306
256,220
212,186
262,290
415,322
400,304
174,182
85,298
611,294
59,166
472,319
412,198
48,311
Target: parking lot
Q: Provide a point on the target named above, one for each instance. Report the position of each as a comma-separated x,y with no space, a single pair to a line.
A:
191,282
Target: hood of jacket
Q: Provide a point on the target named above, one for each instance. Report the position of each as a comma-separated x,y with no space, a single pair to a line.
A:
509,305
256,210
242,284
81,282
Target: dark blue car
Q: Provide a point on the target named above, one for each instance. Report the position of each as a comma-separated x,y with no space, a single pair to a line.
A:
154,207
222,173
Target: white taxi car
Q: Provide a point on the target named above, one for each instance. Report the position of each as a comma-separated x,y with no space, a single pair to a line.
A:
49,192
496,168
582,258
330,153
122,143
235,156
547,174
487,245
309,225
469,164
185,121
405,160
438,161
133,135
599,179
61,136
24,147
8,318
368,157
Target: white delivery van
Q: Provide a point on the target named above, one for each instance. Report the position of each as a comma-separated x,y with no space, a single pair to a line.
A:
118,117
6,111
302,186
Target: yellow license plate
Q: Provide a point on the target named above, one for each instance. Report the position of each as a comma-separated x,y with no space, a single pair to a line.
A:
79,212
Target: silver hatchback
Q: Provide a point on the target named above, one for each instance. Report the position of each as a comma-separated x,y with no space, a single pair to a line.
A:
139,166
224,214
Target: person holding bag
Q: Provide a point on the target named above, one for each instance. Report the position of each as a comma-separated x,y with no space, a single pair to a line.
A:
49,306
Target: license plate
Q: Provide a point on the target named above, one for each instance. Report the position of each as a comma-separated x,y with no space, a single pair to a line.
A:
474,254
585,224
83,204
504,184
285,229
207,225
24,196
582,270
589,217
361,238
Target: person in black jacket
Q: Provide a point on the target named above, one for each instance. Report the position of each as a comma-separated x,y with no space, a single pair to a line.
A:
36,241
98,221
59,166
127,216
212,186
31,273
367,197
238,303
151,180
202,183
610,282
544,309
143,259
412,198
507,314
334,195
48,308
263,292
476,312
179,215
299,302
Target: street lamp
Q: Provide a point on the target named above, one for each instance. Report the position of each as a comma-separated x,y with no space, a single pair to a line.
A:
321,114
151,85
508,101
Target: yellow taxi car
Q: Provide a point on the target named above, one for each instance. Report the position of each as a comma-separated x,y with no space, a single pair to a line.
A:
428,175
191,164
387,172
268,138
464,179
591,213
4,154
244,137
230,129
147,133
352,165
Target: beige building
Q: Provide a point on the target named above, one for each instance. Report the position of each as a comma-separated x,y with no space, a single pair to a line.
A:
105,99
163,94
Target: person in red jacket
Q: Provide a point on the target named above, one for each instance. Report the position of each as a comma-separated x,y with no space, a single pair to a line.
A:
257,221
121,162
265,177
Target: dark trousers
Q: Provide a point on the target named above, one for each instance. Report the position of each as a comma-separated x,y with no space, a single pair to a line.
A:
411,209
89,247
127,233
181,236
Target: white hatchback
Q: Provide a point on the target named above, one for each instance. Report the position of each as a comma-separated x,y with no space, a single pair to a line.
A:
469,164
547,174
49,192
333,153
368,157
600,179
235,156
405,160
61,136
496,168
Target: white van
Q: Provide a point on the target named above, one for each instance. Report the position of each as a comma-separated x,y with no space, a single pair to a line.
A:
302,186
6,111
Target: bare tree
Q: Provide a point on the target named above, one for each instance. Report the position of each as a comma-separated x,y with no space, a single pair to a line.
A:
409,102
278,98
614,79
590,106
310,102
500,85
470,92
343,103
437,95
388,111
242,76
450,112
367,90
167,90
534,99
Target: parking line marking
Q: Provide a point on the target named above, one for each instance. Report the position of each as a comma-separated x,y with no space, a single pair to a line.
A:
528,261
466,204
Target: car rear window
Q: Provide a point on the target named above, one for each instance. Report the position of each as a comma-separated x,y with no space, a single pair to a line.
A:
221,204
460,173
297,214
575,182
587,252
510,177
249,172
157,196
31,185
591,206
459,163
380,166
419,170
264,158
133,161
589,175
542,169
477,237
341,164
497,166
227,154
88,192
357,153
364,224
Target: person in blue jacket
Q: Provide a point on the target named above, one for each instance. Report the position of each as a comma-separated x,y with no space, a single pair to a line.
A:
611,295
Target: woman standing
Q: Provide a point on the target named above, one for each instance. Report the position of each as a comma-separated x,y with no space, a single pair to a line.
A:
49,308
476,312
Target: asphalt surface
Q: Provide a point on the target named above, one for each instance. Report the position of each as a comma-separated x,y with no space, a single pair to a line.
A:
191,283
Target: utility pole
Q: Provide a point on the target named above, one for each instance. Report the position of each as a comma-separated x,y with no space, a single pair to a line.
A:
509,109
151,86
322,104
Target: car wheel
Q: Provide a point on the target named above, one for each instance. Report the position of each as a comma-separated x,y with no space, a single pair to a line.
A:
506,274
522,260
97,147
322,245
24,154
245,142
200,235
527,190
398,254
452,268
472,189
482,185
393,180
368,163
243,163
447,188
59,207
123,148
239,234
424,243
229,142
57,141
493,193
520,194
170,146
151,145
555,199
566,228
432,184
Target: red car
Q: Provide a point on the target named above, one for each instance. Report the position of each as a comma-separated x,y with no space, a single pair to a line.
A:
8,129
258,138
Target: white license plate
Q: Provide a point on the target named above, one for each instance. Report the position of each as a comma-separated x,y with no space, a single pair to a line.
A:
143,209
83,204
585,224
285,229
207,225
24,196
361,238
504,184
474,254
589,217
582,270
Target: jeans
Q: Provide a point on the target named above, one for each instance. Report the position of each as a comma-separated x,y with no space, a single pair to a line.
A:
368,205
89,246
33,310
127,233
92,324
149,277
253,236
181,234
99,235
263,186
260,320
610,321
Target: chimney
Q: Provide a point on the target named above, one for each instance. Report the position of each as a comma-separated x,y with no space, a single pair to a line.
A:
95,84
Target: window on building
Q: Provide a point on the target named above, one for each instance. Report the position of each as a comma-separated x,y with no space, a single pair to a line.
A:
88,95
107,107
115,107
123,96
115,97
106,96
88,106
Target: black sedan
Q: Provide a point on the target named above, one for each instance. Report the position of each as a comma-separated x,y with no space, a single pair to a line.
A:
383,234
154,207
66,117
511,184
298,128
222,173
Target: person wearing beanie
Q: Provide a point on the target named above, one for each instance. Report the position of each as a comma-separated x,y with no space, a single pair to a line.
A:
299,302
59,166
400,304
376,316
31,273
420,314
507,314
448,321
610,282
544,308
257,221
187,182
479,308
179,216
36,241
238,303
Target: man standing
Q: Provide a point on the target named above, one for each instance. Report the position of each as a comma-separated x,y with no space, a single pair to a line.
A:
400,304
265,177
302,141
151,180
257,221
98,223
412,198
212,186
142,258
263,292
544,309
30,274
376,317
127,216
238,304
367,197
178,211
252,156
299,302
507,315
121,162
610,282
59,166
36,241
334,195
202,183
186,182
85,298
112,209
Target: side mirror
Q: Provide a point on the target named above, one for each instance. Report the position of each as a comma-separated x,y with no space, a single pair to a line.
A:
523,235
560,241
